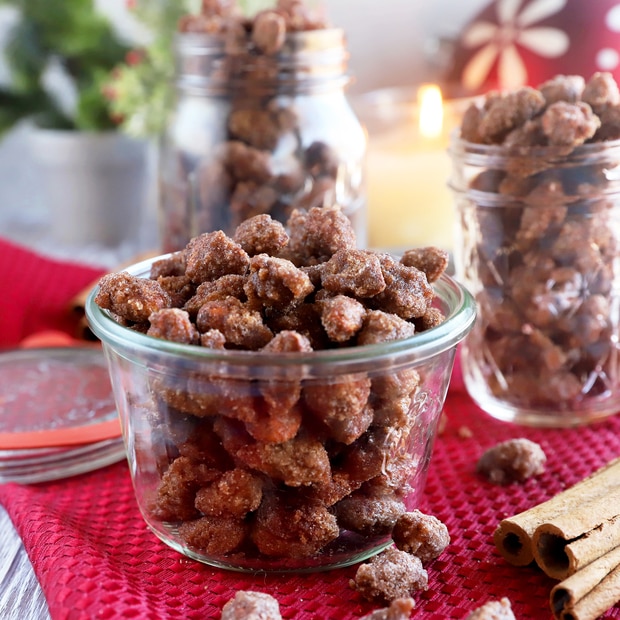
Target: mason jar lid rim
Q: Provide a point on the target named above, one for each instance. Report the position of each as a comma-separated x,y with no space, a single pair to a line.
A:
199,85
297,40
422,346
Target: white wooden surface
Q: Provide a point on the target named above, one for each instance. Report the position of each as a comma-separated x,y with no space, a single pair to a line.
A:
21,597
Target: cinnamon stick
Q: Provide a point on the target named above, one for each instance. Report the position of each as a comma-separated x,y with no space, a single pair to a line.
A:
570,541
589,592
513,536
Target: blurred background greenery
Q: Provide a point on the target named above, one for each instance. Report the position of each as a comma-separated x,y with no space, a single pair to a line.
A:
93,65
71,39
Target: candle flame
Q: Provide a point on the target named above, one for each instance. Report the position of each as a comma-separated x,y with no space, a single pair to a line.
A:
430,106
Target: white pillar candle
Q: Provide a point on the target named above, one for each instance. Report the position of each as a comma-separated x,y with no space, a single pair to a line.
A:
408,168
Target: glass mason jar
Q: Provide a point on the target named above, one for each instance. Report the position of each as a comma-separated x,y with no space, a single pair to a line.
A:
256,133
231,457
540,251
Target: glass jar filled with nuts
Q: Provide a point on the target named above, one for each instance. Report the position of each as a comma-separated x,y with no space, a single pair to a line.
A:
261,124
536,176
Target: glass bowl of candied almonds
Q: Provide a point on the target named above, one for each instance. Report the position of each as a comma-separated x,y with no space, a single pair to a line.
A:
280,389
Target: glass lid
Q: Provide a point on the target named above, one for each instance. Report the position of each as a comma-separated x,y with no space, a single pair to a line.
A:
57,414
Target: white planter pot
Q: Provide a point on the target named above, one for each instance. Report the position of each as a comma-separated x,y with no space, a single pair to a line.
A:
94,185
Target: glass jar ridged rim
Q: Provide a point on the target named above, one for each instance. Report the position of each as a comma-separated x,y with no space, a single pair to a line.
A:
475,154
308,59
417,348
331,40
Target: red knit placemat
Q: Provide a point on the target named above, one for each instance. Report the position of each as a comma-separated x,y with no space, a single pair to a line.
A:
95,557
36,292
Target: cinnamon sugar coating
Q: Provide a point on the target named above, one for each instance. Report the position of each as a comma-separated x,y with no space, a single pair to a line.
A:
276,283
564,111
172,324
398,609
261,234
250,605
341,406
228,285
234,494
316,235
493,610
180,483
431,318
284,529
512,460
601,92
240,326
563,88
502,114
276,423
420,534
179,288
353,272
212,255
369,515
407,292
382,326
569,123
214,535
213,339
173,265
130,298
342,317
269,32
432,261
390,575
288,341
297,462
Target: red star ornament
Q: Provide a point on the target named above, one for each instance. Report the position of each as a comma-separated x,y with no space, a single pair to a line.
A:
513,43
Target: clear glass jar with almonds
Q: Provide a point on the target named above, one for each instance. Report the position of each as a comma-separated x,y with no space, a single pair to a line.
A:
539,248
259,133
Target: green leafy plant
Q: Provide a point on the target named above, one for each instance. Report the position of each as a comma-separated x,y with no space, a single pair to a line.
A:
140,90
76,40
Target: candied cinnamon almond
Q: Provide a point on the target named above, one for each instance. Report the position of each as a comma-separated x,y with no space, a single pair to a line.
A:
431,260
247,604
212,255
493,610
423,535
390,575
131,298
261,234
512,460
276,283
398,609
172,324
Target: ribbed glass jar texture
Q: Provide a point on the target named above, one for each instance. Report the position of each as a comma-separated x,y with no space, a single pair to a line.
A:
214,482
540,251
255,133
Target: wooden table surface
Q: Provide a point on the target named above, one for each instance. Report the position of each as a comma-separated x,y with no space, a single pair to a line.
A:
20,594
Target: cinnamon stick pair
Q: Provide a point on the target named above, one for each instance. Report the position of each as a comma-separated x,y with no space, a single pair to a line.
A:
514,536
574,539
590,592
576,531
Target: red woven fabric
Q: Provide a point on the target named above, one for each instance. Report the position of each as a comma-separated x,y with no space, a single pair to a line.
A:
35,293
95,558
